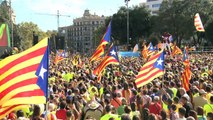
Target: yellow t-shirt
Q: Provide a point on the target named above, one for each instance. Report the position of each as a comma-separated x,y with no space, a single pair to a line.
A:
108,116
208,95
174,90
178,106
208,108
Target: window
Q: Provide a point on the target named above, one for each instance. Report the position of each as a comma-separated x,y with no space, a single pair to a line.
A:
156,6
93,22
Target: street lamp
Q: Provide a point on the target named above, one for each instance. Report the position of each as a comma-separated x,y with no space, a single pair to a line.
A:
127,2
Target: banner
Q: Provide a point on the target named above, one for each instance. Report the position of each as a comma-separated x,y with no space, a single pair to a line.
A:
129,54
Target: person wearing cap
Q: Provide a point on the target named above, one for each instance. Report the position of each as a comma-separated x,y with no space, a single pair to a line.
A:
93,109
155,106
200,100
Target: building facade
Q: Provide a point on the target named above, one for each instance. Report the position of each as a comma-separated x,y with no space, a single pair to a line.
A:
153,6
79,36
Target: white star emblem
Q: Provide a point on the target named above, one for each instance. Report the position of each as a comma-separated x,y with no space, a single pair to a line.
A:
42,71
113,52
160,62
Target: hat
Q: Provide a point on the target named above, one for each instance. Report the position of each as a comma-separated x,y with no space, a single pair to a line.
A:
156,98
93,105
201,91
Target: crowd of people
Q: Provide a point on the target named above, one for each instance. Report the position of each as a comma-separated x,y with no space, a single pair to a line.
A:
76,94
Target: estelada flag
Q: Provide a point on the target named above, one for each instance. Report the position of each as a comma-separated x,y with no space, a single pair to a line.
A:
105,40
152,69
186,75
24,76
110,58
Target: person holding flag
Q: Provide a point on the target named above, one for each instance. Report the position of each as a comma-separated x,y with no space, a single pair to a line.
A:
110,58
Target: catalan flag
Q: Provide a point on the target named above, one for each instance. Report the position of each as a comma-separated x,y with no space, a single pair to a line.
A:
145,51
23,76
7,110
151,49
151,70
176,50
60,55
186,75
100,49
198,23
4,35
110,58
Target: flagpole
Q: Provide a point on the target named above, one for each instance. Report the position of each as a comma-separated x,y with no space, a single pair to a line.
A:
47,95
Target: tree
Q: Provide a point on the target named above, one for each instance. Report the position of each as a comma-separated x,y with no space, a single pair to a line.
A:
177,17
139,22
4,12
25,34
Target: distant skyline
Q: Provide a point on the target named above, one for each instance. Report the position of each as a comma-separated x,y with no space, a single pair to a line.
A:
35,10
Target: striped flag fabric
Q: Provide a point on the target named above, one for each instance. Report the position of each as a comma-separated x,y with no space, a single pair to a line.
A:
186,75
60,55
110,58
135,49
145,52
176,50
151,49
198,23
7,110
152,69
23,76
4,35
105,40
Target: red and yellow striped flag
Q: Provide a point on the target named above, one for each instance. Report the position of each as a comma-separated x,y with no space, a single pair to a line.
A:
198,23
23,76
150,70
7,110
99,52
186,75
176,50
145,52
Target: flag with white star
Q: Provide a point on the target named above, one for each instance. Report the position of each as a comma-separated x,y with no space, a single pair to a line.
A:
110,58
23,77
60,55
42,73
186,75
151,70
151,49
99,52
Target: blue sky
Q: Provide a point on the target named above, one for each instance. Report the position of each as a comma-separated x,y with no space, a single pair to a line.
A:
31,10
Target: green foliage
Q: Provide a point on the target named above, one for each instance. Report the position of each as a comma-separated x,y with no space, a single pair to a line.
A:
177,18
139,24
25,34
4,13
